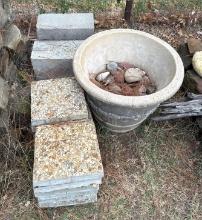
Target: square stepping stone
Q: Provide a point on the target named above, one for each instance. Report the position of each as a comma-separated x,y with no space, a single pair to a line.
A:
66,153
53,59
75,26
57,100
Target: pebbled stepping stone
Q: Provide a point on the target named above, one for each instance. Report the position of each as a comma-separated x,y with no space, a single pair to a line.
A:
66,153
53,59
75,26
57,100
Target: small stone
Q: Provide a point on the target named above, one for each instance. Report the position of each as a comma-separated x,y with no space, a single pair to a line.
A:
187,62
118,76
192,82
109,80
114,88
101,77
113,66
125,65
94,81
197,62
194,45
183,50
12,37
185,56
134,75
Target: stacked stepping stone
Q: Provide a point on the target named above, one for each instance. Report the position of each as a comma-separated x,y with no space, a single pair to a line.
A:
67,162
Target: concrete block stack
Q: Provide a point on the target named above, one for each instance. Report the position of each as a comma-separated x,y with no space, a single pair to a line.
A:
67,162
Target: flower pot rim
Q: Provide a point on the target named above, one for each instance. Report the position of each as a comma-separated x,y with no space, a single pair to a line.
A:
129,101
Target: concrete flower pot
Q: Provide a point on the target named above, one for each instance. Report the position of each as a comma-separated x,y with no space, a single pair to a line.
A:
124,113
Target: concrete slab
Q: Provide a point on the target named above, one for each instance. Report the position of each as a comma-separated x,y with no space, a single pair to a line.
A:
55,193
71,186
57,100
53,59
68,197
75,26
60,196
90,198
66,153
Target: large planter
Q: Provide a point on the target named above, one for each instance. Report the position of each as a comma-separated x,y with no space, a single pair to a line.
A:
124,113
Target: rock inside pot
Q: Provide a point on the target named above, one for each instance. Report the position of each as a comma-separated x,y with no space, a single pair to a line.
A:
124,79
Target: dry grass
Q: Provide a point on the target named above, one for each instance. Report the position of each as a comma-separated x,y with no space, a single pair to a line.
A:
153,172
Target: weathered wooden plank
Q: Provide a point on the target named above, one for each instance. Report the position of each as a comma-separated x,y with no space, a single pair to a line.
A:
181,109
175,116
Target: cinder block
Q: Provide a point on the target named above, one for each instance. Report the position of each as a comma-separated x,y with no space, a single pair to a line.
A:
75,26
53,59
57,100
66,153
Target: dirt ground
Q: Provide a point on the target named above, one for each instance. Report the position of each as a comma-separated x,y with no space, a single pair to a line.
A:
153,172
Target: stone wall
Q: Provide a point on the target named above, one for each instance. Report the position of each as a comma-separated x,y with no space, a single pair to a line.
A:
10,41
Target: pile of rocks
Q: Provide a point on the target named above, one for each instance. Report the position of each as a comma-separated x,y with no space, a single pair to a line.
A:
124,79
191,54
10,43
67,162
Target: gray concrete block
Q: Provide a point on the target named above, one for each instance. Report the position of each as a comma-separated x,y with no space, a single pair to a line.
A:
53,59
69,195
70,186
75,26
86,198
66,191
